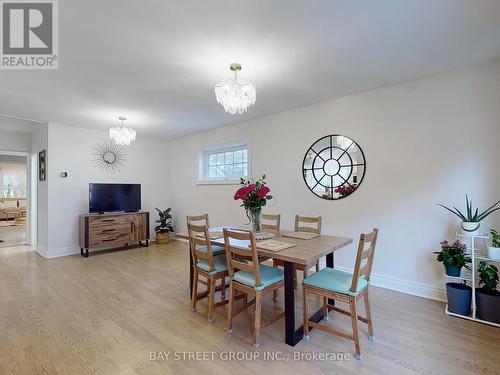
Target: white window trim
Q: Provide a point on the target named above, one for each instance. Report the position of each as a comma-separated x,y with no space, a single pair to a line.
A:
202,172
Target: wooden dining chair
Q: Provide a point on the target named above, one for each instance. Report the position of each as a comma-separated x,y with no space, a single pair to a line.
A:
250,277
217,250
272,221
301,228
207,264
330,283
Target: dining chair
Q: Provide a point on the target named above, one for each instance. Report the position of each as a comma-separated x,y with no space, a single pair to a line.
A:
250,277
217,250
207,264
301,228
274,218
333,284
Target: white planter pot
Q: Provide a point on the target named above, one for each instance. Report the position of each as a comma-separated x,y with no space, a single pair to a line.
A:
470,228
494,253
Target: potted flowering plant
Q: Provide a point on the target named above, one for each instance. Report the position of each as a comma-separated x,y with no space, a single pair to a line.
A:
164,229
487,296
254,195
453,257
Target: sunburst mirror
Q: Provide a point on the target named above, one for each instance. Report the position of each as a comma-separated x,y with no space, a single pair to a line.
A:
108,156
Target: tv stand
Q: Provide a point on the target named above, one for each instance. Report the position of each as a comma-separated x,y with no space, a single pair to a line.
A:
99,230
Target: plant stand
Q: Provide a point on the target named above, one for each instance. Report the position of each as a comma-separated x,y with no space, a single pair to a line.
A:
476,254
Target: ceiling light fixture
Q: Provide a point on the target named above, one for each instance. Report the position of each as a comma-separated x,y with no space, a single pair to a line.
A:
235,96
122,135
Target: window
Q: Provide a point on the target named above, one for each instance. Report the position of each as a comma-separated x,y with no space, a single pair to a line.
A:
224,163
13,180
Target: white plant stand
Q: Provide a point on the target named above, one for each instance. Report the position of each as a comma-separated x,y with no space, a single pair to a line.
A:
476,254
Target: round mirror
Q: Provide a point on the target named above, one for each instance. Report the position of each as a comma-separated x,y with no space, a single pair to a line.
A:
109,157
334,167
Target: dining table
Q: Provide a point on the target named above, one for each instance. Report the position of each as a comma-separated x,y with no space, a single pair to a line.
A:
305,252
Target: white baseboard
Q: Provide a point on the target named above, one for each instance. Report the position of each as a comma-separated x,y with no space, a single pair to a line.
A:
405,286
61,252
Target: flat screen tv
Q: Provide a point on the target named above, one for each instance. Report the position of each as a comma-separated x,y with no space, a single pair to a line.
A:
114,197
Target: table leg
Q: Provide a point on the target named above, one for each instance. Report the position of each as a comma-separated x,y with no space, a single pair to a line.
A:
330,263
292,336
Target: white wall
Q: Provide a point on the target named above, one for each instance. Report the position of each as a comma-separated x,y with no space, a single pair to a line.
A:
39,142
70,150
425,141
15,141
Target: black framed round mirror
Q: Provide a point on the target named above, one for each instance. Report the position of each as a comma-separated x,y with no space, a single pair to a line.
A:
334,167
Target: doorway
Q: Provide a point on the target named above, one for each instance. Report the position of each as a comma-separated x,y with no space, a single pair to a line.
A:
14,199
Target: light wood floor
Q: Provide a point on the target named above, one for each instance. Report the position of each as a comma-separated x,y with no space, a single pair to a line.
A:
12,235
105,314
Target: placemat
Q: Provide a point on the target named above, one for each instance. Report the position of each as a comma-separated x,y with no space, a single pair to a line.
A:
274,246
300,235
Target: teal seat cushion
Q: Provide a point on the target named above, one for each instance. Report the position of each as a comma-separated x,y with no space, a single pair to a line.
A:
335,281
268,276
219,263
216,250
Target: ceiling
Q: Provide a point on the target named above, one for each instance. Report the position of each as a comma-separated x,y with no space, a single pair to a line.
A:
156,62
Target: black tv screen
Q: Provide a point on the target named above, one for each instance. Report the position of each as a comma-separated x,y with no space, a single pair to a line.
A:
114,197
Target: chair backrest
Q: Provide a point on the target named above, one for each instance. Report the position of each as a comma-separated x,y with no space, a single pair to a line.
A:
306,219
271,217
191,219
366,250
239,257
198,236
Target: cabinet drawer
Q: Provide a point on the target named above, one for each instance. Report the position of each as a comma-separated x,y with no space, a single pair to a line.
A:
106,229
109,220
109,238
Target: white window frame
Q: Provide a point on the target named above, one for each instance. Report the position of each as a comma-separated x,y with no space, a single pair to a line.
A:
203,163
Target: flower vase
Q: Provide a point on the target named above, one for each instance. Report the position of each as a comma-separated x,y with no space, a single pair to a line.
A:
255,217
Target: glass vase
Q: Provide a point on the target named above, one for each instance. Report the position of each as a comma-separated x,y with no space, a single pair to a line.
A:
255,219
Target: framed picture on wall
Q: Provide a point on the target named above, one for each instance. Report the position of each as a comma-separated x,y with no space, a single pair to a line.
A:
42,165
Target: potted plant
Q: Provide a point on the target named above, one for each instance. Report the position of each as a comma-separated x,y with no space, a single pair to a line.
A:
471,220
254,195
494,249
453,257
164,229
459,297
487,296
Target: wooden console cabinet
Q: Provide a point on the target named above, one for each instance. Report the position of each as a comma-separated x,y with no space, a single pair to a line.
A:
113,229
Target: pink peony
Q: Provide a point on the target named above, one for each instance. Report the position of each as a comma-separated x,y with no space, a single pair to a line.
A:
241,193
263,191
251,187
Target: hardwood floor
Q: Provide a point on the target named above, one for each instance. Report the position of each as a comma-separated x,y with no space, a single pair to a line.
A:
12,235
106,313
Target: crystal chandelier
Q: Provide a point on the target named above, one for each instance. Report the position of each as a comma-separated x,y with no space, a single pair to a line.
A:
122,135
235,96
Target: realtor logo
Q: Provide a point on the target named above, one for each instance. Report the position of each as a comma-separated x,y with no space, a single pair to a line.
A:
29,37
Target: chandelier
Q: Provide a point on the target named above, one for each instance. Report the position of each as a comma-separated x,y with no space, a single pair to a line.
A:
235,96
122,135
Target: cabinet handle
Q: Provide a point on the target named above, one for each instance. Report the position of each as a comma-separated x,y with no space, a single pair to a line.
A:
108,220
108,230
111,239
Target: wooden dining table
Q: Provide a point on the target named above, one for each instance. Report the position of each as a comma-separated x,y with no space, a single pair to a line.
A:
305,252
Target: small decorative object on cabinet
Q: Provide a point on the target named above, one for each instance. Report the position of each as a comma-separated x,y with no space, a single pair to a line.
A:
254,194
472,219
116,229
453,257
494,249
164,230
334,167
487,295
476,251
